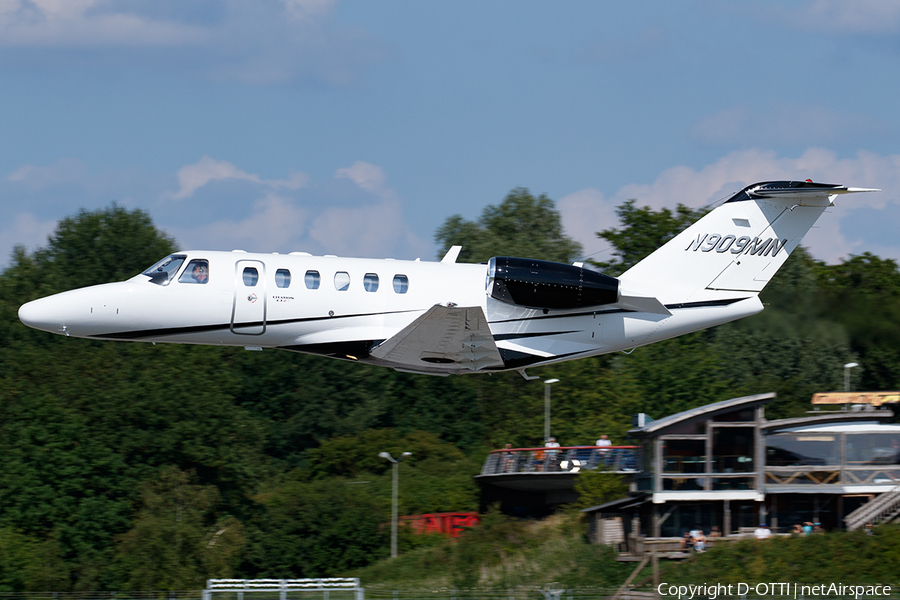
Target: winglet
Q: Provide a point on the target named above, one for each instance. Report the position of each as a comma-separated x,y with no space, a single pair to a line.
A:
452,254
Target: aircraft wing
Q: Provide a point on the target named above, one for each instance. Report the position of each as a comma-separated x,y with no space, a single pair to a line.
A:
443,340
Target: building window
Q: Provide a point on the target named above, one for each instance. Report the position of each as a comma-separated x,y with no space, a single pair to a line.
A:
733,483
873,449
401,284
370,282
311,279
692,484
251,276
746,414
733,449
684,456
802,449
342,281
283,278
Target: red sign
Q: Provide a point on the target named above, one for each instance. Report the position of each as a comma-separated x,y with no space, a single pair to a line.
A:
451,523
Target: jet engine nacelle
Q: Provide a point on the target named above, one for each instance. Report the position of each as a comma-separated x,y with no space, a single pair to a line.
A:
548,285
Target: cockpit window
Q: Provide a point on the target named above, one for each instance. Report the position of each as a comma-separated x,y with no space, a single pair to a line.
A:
197,272
163,271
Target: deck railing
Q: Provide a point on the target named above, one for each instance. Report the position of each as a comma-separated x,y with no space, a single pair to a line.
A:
622,459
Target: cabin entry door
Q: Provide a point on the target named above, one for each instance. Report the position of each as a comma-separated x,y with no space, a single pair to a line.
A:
248,317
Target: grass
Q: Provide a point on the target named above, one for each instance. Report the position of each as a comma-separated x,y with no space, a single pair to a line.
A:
503,553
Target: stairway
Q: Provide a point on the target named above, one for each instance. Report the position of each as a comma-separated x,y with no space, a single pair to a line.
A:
881,509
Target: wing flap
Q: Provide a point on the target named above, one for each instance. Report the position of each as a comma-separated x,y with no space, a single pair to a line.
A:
443,339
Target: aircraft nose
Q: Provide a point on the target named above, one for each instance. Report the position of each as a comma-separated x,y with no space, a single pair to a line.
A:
43,314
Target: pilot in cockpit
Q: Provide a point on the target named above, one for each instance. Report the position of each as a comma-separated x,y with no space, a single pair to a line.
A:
200,272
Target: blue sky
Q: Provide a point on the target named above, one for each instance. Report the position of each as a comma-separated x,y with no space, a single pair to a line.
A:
355,128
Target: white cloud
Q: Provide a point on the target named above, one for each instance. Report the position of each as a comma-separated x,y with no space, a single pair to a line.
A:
207,169
252,42
374,230
367,176
831,240
614,49
583,214
836,16
87,23
786,124
307,9
369,224
245,211
25,229
275,224
63,171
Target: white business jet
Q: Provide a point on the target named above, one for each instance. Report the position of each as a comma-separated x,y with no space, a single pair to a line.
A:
446,317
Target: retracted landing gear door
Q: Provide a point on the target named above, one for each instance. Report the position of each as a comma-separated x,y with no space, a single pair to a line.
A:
248,316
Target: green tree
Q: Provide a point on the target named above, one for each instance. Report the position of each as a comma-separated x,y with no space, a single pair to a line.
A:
436,478
862,293
84,422
178,538
521,225
321,528
596,487
642,231
110,244
28,563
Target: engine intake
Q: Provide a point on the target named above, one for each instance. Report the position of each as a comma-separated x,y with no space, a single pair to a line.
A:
544,284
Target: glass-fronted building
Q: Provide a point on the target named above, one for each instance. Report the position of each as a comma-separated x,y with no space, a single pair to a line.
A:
726,465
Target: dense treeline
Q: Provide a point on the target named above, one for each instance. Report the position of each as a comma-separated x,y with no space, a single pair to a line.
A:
133,466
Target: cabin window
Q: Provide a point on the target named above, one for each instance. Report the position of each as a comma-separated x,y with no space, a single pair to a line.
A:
197,272
283,278
312,280
401,284
163,271
370,282
251,276
342,281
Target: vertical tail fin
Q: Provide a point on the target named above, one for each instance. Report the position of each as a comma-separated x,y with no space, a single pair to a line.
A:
738,246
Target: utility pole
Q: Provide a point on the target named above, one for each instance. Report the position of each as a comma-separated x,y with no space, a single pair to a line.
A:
547,384
395,467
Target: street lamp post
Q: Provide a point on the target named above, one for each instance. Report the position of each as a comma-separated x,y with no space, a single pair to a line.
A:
395,467
847,368
547,384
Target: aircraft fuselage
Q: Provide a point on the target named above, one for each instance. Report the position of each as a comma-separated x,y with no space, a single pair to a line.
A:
446,317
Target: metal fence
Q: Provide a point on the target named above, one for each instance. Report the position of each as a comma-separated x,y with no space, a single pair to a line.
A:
331,588
622,459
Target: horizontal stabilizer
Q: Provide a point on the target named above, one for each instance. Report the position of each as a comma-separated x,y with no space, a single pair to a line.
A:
796,190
